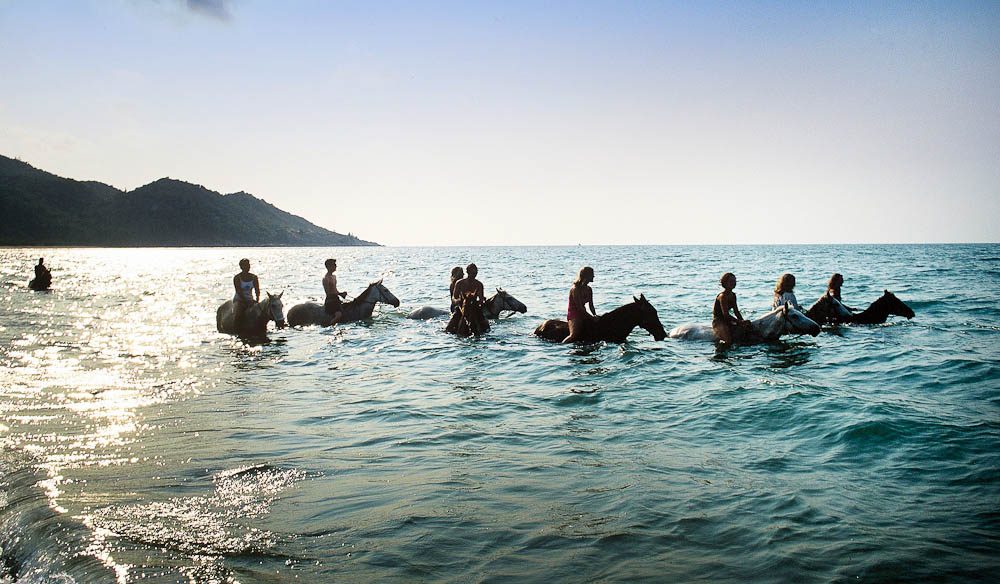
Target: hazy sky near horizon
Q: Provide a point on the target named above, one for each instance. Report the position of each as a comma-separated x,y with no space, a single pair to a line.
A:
454,123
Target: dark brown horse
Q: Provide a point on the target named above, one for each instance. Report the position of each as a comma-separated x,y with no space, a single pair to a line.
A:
468,319
613,327
879,311
829,310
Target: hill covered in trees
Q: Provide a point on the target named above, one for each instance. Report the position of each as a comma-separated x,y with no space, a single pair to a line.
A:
39,208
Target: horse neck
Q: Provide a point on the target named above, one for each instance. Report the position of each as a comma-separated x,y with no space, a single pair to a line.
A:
620,321
363,303
490,309
820,310
257,315
771,325
825,309
876,313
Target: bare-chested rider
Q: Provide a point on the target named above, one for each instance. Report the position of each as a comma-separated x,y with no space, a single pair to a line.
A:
468,284
728,327
332,305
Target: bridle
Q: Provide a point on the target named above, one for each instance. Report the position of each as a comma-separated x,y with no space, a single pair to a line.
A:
501,296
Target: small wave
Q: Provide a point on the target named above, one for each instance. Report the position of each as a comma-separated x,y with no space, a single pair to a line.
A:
206,525
28,552
870,433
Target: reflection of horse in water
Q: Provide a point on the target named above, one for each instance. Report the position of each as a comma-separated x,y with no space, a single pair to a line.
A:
783,320
824,311
253,325
469,318
494,306
613,327
358,309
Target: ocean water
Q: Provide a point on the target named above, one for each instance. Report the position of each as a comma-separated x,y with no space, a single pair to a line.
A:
139,445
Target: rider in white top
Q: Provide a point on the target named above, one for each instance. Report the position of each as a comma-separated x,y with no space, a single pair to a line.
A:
247,291
783,293
786,298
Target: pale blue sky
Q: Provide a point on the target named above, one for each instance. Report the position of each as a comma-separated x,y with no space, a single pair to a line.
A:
529,123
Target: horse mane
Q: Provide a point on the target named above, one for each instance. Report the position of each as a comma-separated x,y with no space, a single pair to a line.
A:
361,297
621,310
885,298
469,301
263,306
615,316
879,310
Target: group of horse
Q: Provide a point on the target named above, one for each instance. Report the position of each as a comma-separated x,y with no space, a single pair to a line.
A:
472,317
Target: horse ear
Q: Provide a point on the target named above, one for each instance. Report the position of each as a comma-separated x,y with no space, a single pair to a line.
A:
642,297
634,298
380,281
499,290
269,295
280,294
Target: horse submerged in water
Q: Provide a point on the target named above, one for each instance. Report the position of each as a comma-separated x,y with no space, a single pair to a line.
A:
255,318
613,327
829,310
783,320
469,318
40,285
360,308
494,306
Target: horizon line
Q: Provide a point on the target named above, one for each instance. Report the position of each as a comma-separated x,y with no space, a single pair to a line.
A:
564,245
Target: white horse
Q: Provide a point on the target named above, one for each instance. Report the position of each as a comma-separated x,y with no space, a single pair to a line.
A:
358,309
783,320
255,318
495,305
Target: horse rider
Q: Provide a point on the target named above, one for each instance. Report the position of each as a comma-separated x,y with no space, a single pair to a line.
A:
723,323
332,305
581,296
247,292
43,277
468,284
456,275
784,293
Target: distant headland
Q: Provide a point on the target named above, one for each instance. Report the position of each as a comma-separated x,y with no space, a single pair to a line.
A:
40,208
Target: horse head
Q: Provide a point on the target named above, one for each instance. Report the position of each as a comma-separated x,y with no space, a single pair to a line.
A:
894,305
502,301
649,320
377,292
797,323
275,309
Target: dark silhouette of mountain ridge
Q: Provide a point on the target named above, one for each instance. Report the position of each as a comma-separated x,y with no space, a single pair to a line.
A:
40,208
